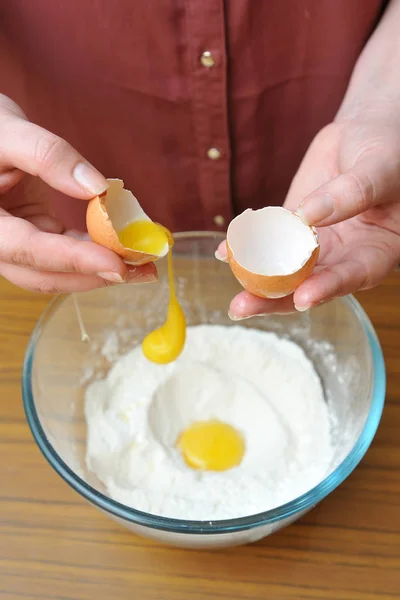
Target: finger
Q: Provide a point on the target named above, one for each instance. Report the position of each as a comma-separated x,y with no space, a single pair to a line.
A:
11,107
363,271
60,283
316,168
47,223
36,151
221,252
9,179
21,243
370,182
245,305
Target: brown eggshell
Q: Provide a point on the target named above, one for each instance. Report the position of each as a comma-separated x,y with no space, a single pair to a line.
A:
279,227
101,228
272,286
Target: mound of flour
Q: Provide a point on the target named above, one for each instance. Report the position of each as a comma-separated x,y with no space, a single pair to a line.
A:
262,385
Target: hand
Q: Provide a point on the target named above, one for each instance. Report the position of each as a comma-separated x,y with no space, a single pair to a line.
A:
35,251
349,182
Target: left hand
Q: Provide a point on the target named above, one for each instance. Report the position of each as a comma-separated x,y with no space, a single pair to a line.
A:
349,181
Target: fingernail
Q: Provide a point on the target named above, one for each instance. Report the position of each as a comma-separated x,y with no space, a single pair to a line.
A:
236,318
316,208
111,276
309,306
220,256
90,179
303,308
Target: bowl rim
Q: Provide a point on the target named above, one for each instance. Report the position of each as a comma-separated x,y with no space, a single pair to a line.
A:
299,505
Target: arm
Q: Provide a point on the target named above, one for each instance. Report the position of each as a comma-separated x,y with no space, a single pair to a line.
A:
374,88
369,164
348,184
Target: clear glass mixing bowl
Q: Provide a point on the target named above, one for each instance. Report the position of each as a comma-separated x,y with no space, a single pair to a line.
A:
338,337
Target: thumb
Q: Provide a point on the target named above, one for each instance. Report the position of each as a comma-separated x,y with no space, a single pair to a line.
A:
36,151
371,181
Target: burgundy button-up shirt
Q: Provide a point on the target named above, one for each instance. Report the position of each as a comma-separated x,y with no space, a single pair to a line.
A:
197,137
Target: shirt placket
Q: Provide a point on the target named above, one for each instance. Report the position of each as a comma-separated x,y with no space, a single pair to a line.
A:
208,67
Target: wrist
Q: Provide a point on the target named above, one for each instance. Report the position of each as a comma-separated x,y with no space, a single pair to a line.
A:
361,104
363,113
374,89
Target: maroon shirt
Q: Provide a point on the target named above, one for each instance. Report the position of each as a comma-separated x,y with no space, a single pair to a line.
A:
126,82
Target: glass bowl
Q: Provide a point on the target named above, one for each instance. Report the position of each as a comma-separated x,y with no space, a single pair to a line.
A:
338,337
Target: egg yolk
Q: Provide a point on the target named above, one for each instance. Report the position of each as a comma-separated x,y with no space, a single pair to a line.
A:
165,344
144,236
211,446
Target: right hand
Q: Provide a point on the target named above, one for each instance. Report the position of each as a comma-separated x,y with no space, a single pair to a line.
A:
36,253
349,181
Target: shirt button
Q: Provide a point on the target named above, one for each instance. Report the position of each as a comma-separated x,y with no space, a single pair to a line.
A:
219,220
213,153
207,59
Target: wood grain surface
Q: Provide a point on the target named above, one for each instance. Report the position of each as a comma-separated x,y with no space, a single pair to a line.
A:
55,546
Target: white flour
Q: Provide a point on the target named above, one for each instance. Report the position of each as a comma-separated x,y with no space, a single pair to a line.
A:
262,385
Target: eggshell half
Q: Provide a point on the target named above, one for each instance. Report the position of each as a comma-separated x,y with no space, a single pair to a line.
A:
112,211
271,251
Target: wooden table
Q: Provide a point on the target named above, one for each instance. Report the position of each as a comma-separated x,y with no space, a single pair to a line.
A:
55,546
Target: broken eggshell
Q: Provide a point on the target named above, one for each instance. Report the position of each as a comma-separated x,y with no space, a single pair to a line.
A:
271,251
109,213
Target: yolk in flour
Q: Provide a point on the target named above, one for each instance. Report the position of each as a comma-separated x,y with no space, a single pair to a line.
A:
165,344
211,446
